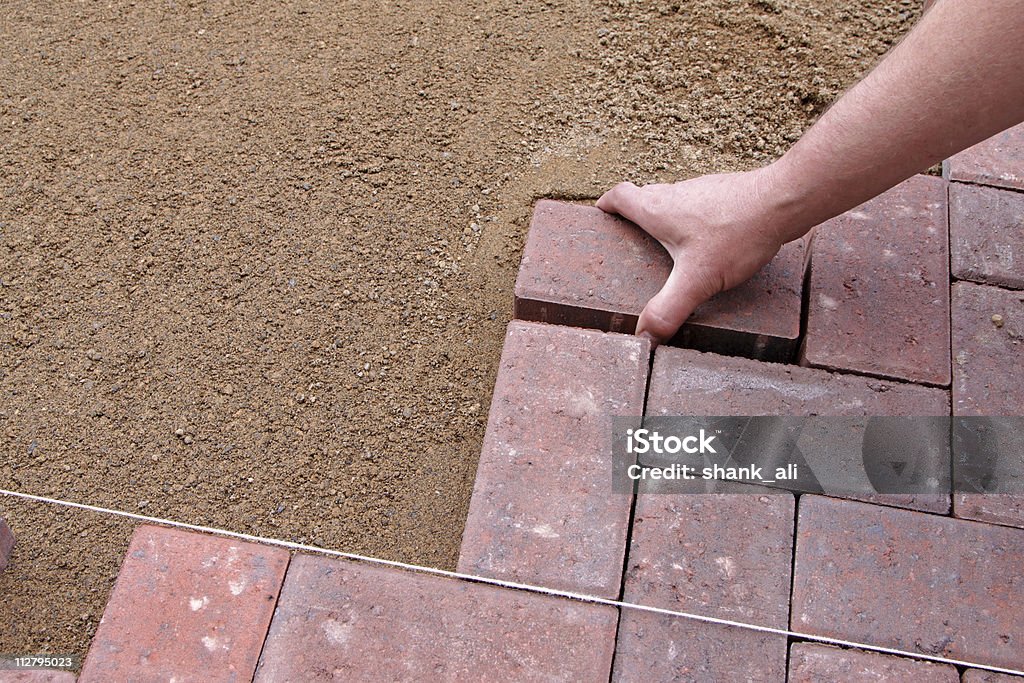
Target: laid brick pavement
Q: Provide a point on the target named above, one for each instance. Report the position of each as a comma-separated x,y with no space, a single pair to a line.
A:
986,234
685,382
879,288
998,161
339,620
541,512
815,663
881,298
723,555
186,607
909,580
988,379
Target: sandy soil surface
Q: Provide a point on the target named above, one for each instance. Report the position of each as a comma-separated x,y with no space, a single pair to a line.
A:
256,258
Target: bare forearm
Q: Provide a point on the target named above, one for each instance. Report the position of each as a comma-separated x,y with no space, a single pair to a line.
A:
956,79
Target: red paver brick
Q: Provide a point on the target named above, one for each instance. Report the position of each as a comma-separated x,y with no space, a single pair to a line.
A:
997,161
986,229
655,648
988,379
6,544
685,382
878,301
586,268
340,620
982,676
543,511
811,663
724,555
910,581
36,676
186,607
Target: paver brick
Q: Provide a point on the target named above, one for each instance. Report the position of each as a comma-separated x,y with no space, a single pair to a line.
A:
982,676
6,544
909,581
998,161
542,510
723,555
186,607
986,228
726,555
988,337
586,268
988,379
690,383
811,663
339,620
659,648
879,301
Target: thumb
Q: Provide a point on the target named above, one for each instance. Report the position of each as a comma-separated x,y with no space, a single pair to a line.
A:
625,199
667,310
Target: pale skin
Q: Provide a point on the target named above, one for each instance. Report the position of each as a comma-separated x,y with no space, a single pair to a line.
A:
956,79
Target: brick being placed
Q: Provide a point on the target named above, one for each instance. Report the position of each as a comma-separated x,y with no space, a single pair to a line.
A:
986,230
586,268
988,381
812,662
878,302
910,581
997,161
723,555
542,510
346,621
839,457
186,604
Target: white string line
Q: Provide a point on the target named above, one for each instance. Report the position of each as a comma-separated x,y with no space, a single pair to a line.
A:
579,597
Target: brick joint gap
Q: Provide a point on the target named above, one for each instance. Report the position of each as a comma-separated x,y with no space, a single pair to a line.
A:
273,615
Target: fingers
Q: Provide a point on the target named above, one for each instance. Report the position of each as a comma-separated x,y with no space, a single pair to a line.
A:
667,310
625,199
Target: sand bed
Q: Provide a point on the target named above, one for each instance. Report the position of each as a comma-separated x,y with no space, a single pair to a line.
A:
256,259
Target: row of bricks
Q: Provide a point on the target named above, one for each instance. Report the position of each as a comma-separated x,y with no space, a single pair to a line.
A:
542,512
878,301
192,607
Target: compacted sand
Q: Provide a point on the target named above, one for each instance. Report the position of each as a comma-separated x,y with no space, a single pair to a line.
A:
256,259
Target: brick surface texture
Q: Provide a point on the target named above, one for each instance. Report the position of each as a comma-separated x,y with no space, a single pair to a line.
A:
720,555
908,580
6,544
986,228
36,676
998,161
542,510
186,607
982,676
686,382
879,300
813,663
585,268
988,379
339,620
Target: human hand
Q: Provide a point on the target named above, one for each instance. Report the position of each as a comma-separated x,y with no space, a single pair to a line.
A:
719,229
